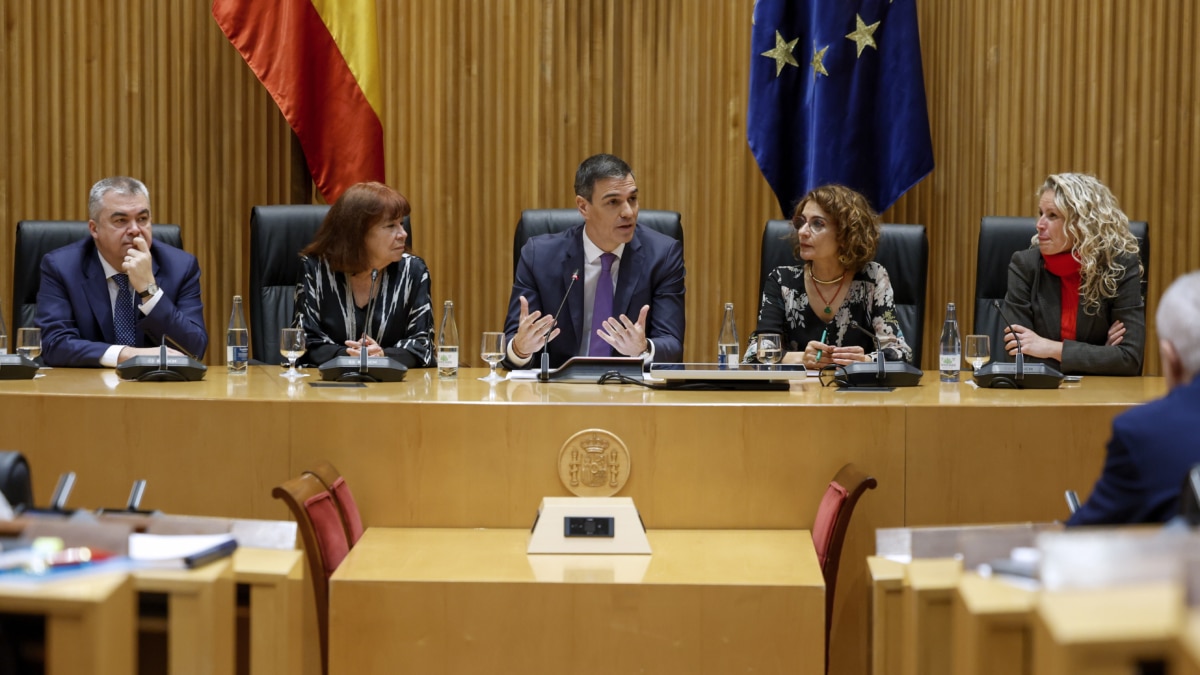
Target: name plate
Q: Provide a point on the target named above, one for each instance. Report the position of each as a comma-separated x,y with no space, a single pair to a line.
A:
588,525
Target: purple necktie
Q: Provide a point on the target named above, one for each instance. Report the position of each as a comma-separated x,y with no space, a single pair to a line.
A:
602,307
124,314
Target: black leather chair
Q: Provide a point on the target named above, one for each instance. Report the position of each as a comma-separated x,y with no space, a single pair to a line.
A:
36,238
999,238
904,253
277,235
15,481
547,221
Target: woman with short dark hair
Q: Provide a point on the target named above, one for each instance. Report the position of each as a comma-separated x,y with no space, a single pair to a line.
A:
359,287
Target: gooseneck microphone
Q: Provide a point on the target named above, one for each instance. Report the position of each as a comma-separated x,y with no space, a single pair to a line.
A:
1020,356
1005,375
544,375
880,360
366,333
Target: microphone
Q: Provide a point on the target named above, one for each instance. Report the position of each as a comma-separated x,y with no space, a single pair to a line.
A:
544,375
880,359
366,332
1020,356
159,367
882,373
1004,375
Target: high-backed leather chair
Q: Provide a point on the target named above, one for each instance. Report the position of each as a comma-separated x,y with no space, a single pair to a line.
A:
277,235
548,221
904,253
16,484
999,238
829,530
324,540
36,238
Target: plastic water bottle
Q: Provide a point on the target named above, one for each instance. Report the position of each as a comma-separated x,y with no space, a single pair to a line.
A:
237,339
447,343
950,361
727,341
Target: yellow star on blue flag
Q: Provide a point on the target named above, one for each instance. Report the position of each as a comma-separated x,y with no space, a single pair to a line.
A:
856,116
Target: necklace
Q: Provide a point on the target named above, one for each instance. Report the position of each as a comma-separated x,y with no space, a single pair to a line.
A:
822,281
828,301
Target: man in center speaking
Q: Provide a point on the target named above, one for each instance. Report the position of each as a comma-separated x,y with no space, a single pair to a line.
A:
623,284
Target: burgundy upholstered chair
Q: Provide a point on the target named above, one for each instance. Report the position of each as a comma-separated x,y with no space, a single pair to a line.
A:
336,484
829,530
321,530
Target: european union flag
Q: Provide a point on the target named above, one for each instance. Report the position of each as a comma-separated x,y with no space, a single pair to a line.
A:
837,96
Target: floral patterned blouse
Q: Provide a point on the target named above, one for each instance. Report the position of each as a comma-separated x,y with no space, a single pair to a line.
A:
869,302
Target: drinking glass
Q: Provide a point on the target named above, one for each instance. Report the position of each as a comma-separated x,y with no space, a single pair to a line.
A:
491,349
770,348
292,346
29,342
978,350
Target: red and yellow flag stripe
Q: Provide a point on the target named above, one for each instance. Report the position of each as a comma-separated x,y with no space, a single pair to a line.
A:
319,59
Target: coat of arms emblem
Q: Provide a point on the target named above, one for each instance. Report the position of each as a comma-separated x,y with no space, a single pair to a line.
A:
593,463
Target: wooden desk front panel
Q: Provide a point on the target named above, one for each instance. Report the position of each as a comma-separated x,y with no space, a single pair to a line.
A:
215,447
469,602
991,456
693,466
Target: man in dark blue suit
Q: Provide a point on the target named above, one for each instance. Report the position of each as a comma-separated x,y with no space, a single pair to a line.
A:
1154,445
623,271
117,295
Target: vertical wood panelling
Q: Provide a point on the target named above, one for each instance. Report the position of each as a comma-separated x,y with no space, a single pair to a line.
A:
150,89
491,104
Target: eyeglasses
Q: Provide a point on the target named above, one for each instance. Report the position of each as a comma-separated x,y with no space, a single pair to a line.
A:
816,225
833,374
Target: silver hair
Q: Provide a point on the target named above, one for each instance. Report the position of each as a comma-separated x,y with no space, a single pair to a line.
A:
1178,320
122,185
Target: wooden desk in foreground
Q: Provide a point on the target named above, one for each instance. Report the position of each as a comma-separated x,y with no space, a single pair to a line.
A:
90,626
472,601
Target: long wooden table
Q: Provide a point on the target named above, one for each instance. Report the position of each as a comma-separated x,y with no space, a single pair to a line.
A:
428,452
471,601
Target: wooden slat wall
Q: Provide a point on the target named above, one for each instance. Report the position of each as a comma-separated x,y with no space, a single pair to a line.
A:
490,106
92,88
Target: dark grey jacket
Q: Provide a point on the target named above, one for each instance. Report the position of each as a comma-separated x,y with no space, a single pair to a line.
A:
1034,300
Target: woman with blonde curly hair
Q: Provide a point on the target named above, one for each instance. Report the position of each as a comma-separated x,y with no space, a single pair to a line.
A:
813,305
1075,295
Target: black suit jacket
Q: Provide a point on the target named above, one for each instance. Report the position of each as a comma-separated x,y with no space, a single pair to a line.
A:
651,273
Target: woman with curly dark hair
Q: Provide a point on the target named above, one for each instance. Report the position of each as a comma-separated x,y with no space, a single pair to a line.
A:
1075,296
812,305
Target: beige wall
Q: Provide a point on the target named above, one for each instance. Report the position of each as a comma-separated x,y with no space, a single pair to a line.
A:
491,104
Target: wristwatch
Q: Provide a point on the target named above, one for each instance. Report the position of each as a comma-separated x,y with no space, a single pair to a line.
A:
148,293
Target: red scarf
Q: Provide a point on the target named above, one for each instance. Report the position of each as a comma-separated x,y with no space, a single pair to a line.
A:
1066,268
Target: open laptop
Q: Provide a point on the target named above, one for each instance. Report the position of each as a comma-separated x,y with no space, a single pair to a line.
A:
756,376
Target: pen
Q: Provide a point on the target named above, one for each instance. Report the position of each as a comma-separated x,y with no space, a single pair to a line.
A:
824,334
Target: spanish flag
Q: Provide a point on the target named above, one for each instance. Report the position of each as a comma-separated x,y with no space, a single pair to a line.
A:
319,59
